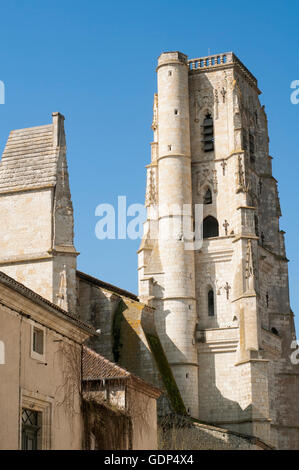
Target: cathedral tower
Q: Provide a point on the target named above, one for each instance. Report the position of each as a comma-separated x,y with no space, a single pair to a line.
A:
222,309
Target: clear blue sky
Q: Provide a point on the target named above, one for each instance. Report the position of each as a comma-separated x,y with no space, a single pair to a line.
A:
95,61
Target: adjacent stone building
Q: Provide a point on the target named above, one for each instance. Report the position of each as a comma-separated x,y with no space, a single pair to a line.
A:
222,307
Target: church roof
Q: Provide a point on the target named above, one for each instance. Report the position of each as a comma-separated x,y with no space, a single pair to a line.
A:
30,158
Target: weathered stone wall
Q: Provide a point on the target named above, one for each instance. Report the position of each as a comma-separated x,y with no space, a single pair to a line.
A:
128,336
196,436
120,319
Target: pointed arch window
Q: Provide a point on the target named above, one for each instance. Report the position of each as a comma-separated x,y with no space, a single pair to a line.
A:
208,197
210,227
211,303
208,133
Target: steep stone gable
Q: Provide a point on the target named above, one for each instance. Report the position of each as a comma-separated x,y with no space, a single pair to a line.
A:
29,159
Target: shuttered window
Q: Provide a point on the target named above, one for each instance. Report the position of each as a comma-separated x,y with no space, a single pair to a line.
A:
208,133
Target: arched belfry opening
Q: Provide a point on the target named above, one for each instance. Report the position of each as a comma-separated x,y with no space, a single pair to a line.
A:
211,303
208,133
210,227
208,198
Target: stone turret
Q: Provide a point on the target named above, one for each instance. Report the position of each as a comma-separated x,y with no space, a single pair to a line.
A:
37,247
176,307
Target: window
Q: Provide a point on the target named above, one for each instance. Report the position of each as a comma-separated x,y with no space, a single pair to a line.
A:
210,227
208,133
208,197
251,148
256,225
38,345
38,341
211,306
36,420
274,331
31,429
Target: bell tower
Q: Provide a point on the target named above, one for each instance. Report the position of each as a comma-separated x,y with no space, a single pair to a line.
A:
222,309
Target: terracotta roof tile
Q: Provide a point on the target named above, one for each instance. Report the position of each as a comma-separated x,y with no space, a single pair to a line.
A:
97,367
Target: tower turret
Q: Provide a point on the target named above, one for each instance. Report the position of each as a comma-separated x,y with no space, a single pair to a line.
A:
176,305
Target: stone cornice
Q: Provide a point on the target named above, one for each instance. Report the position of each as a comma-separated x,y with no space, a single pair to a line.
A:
245,296
175,155
25,258
31,189
245,237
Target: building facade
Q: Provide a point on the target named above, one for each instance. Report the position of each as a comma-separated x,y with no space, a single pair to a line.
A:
222,304
40,386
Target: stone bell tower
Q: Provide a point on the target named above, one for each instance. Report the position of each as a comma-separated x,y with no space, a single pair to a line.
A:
222,309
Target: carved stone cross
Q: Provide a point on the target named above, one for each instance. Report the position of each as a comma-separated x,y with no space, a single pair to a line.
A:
227,288
226,225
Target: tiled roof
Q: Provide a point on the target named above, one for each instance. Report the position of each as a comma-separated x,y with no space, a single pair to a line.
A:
29,159
97,367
